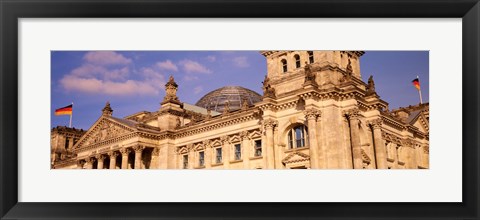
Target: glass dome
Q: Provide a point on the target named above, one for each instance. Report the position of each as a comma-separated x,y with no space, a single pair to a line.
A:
216,99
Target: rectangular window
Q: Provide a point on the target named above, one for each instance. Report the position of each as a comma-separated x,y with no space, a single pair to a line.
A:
201,159
219,155
185,161
238,151
67,142
258,148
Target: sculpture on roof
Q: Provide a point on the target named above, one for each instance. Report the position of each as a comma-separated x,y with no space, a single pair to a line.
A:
309,74
268,90
371,86
107,110
171,91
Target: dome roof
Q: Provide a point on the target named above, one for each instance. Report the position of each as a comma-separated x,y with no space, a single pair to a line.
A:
216,99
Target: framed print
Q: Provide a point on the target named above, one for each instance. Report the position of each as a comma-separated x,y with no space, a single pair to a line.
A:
269,109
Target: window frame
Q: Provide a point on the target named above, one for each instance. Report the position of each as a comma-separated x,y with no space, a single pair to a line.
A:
293,140
201,158
257,148
298,64
185,161
218,157
239,157
284,65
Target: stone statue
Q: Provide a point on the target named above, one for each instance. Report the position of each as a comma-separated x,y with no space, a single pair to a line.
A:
245,104
309,75
226,109
349,66
370,86
179,122
171,91
268,90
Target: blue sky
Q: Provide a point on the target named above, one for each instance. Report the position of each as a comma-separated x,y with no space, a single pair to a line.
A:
134,80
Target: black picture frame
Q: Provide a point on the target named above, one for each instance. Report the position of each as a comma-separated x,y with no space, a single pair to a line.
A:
12,10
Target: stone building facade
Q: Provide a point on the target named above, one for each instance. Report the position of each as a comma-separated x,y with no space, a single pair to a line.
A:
315,113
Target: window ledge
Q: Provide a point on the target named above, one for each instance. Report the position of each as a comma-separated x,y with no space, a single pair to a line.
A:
256,158
296,149
199,167
236,161
217,164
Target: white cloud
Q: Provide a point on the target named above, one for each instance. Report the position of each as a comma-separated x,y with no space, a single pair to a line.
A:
197,89
167,65
106,58
107,73
190,78
241,62
190,66
211,58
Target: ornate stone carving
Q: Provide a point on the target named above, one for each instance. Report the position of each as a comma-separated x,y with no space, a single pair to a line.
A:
156,151
224,139
125,151
268,90
352,113
209,114
103,131
189,147
178,122
376,123
226,108
244,135
206,143
138,148
371,86
312,114
270,123
244,104
90,160
113,154
171,92
100,157
309,75
107,110
349,66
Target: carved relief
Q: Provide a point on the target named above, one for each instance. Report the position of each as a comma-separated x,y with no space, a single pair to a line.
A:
156,151
376,123
103,131
244,135
312,114
352,113
125,151
138,148
270,123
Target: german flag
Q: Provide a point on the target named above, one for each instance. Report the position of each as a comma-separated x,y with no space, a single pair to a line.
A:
67,110
416,83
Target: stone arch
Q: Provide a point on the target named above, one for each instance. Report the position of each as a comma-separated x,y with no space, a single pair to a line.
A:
283,137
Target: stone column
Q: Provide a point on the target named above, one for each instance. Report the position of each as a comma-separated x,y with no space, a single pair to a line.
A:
355,138
311,116
154,163
125,152
138,156
113,159
100,159
80,164
270,154
89,164
380,149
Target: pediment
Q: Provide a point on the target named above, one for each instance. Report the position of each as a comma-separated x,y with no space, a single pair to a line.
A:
295,157
104,129
421,122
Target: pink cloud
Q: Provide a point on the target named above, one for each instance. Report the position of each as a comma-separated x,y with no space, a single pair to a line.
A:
197,89
106,58
191,66
241,62
167,65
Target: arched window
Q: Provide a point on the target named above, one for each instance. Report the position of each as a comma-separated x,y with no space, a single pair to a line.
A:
310,56
284,65
297,61
297,137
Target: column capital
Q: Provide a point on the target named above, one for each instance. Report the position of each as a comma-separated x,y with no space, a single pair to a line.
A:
100,157
312,114
113,154
138,148
90,159
81,162
270,123
225,139
125,151
206,143
352,113
156,151
376,123
244,135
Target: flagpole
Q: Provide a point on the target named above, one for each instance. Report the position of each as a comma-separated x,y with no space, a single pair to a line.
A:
70,125
420,94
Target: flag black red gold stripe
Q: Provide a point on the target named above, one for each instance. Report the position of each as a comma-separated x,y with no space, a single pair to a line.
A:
67,110
416,83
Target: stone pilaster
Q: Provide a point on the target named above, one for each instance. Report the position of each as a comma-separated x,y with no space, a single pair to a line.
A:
225,151
125,152
245,147
380,149
208,153
269,125
100,159
355,138
154,163
113,159
311,115
138,156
